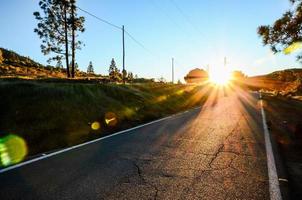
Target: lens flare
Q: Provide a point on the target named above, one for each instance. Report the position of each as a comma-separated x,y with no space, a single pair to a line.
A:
180,92
292,48
128,112
13,149
110,119
95,126
161,98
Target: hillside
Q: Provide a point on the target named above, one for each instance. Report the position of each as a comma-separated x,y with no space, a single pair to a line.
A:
12,58
14,65
287,75
284,82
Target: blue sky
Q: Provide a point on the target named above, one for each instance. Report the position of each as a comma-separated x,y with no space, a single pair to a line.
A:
196,33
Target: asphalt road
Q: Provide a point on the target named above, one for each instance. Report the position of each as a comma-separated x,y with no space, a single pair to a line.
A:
215,152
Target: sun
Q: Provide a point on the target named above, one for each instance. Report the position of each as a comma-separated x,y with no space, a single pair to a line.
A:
220,77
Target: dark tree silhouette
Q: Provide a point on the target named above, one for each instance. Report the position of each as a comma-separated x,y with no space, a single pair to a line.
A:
285,31
130,77
114,72
90,69
56,25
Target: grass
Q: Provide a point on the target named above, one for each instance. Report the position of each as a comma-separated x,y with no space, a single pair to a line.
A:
53,115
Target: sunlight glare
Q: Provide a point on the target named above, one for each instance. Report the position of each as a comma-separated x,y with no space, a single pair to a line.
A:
220,77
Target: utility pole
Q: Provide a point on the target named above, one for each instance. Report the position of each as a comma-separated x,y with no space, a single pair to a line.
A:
172,70
73,39
225,61
124,71
208,68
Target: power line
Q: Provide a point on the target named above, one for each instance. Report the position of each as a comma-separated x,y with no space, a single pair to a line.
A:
123,31
117,27
137,42
186,17
188,34
100,19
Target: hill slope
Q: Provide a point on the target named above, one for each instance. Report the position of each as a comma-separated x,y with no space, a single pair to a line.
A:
285,82
12,58
287,75
13,64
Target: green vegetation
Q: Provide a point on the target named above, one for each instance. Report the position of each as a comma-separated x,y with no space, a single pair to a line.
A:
285,34
52,115
115,75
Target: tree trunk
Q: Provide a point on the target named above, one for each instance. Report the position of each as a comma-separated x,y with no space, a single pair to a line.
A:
66,41
73,41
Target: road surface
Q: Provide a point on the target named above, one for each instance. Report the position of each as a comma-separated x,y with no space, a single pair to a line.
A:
214,152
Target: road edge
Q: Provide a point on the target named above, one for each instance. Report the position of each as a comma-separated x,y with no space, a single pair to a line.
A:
274,185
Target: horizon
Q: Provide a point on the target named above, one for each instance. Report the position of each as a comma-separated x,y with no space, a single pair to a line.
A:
181,30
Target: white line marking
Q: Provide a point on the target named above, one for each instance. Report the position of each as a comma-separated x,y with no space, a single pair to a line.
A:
274,188
92,141
283,179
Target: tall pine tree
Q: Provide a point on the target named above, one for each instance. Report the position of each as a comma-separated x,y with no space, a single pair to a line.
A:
77,25
57,25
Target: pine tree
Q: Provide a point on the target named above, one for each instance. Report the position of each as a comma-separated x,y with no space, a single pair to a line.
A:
90,69
130,77
285,34
57,23
114,72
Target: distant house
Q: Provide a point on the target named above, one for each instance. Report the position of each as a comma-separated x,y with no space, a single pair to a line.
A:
196,76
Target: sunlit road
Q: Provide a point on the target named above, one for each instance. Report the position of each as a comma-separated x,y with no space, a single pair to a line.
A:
215,152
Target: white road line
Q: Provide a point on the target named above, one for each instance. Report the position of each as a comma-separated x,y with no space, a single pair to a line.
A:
90,142
274,188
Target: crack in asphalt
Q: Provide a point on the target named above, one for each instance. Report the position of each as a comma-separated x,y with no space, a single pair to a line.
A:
215,155
140,174
198,173
198,177
139,171
221,146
